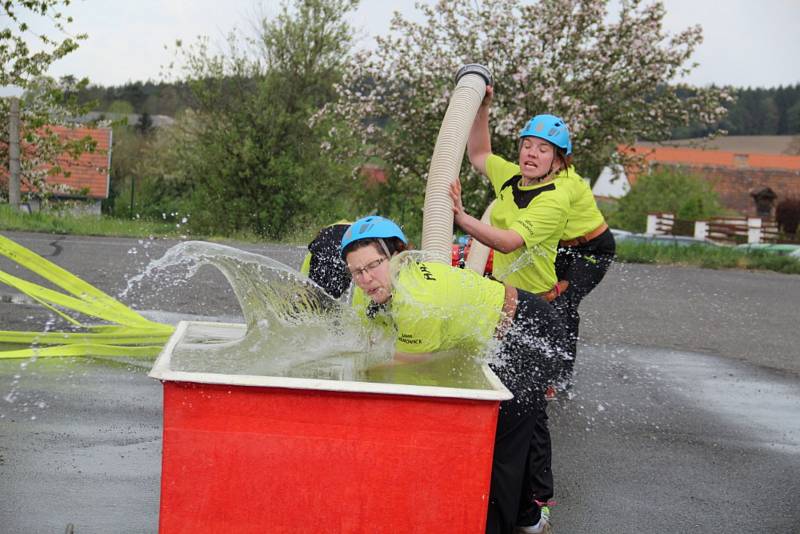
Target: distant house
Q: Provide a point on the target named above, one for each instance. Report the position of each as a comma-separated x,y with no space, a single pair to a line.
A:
612,183
132,119
739,178
87,178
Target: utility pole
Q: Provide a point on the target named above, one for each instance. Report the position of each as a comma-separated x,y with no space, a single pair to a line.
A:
13,154
133,187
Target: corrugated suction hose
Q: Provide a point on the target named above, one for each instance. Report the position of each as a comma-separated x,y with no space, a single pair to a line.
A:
478,252
437,217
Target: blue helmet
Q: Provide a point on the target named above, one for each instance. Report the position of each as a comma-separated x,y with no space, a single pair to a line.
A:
371,227
550,128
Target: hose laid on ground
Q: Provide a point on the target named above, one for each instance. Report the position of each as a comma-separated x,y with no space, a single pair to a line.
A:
478,252
437,218
129,334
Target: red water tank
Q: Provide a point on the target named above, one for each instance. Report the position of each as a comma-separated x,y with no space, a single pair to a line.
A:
251,454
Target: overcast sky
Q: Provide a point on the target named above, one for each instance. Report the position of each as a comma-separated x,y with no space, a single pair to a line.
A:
746,42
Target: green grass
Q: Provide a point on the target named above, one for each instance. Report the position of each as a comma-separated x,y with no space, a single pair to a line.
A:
709,257
11,219
54,223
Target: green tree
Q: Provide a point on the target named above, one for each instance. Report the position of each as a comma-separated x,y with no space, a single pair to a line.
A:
793,118
755,113
20,62
668,190
163,98
149,174
25,56
120,107
145,124
613,78
252,159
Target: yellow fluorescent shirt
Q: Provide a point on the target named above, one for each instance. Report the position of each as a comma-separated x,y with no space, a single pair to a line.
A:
584,215
538,213
305,268
438,307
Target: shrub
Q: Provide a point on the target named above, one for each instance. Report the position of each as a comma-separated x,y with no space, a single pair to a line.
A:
670,190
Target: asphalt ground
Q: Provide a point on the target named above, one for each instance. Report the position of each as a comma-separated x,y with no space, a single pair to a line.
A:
686,416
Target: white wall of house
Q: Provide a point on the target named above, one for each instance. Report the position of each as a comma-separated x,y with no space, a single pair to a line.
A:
88,206
612,183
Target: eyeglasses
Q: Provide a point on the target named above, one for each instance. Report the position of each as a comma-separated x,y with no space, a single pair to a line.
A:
356,273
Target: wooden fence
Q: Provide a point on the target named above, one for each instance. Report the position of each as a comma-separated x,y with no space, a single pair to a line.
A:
727,230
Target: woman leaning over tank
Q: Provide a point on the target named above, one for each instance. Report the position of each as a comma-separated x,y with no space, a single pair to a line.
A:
435,307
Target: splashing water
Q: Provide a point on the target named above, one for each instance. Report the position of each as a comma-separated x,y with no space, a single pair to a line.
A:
524,260
292,326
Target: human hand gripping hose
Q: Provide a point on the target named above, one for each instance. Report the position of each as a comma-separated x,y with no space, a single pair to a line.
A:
476,253
127,334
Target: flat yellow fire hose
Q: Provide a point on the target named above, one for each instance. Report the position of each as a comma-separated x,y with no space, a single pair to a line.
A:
128,334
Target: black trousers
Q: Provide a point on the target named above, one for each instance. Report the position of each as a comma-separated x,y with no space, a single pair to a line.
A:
531,356
516,483
538,487
584,267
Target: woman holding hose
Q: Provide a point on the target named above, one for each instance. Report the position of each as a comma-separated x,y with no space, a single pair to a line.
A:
584,248
529,218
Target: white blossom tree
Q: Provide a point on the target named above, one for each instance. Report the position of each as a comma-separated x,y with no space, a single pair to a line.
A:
614,78
35,36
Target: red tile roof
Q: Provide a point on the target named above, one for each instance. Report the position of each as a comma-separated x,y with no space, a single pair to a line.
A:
374,174
698,157
695,157
89,172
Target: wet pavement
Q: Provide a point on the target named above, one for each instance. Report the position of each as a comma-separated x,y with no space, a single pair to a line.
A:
686,416
665,441
80,443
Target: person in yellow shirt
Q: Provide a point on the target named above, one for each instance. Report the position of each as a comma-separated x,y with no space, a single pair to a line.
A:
437,307
527,220
584,248
323,264
534,201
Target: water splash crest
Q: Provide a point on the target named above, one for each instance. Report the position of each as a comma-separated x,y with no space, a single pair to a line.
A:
292,326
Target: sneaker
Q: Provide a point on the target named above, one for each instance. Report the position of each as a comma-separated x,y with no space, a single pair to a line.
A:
542,527
550,394
567,382
566,389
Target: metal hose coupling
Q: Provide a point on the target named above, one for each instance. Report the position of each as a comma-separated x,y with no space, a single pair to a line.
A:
474,68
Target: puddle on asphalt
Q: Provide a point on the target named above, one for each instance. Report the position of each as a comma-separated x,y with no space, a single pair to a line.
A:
759,400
